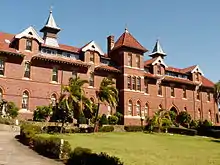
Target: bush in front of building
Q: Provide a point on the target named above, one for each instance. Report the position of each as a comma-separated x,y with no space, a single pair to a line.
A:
113,120
84,156
7,121
42,113
11,110
133,128
108,128
53,129
51,147
184,119
182,131
103,120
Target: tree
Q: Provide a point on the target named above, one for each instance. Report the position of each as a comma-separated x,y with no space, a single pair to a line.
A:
107,93
184,119
9,108
217,92
42,113
161,119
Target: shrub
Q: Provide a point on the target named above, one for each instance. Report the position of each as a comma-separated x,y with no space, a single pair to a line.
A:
103,120
42,113
182,131
52,129
28,131
133,128
86,130
82,119
84,156
50,147
120,117
206,123
183,118
106,129
194,124
112,120
6,121
172,115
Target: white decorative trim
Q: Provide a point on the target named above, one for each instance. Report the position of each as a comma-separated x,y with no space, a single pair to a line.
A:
160,95
161,62
199,70
132,117
94,47
131,67
26,32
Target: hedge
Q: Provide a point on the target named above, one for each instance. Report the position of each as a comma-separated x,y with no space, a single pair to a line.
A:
106,129
50,147
133,128
182,131
84,156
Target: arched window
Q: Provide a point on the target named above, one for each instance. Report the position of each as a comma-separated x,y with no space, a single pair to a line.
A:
199,114
158,69
25,100
184,109
160,107
1,94
134,83
144,112
138,108
139,84
130,108
210,115
91,79
53,99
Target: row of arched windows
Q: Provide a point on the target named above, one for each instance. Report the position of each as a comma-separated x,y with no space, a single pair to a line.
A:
139,111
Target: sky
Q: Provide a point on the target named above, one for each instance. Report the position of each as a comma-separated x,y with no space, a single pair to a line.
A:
189,30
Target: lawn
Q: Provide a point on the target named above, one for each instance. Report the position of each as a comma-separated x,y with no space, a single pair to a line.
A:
151,149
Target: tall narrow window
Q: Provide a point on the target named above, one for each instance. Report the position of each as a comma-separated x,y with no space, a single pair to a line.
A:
25,100
158,69
2,67
208,96
129,59
53,99
139,84
185,109
210,115
27,69
184,92
172,91
198,95
146,86
144,112
197,76
199,114
130,108
74,74
92,56
138,108
129,82
159,90
29,44
134,83
55,74
138,64
91,79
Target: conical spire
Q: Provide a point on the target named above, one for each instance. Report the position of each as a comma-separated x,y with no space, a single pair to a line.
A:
51,22
157,51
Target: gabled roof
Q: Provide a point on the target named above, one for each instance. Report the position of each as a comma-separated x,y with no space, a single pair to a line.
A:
30,32
207,83
68,48
149,62
154,61
51,22
93,47
127,40
188,69
157,50
177,70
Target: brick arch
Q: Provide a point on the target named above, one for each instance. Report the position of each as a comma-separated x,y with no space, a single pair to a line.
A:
132,106
174,109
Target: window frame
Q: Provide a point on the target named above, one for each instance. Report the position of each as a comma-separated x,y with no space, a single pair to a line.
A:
91,79
55,74
2,67
172,91
92,57
138,61
27,69
130,59
138,108
130,108
134,83
25,100
138,79
29,44
129,82
184,93
159,90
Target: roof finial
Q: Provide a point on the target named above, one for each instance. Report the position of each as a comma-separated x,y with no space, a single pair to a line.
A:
126,28
51,9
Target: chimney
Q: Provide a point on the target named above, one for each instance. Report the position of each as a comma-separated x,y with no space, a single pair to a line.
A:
110,42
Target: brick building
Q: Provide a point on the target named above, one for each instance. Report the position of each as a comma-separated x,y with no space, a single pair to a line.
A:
33,69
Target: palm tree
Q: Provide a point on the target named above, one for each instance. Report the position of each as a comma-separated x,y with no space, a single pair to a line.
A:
217,94
161,119
107,93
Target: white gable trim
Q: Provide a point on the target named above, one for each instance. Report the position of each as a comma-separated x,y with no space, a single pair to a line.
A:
94,47
197,69
26,32
161,62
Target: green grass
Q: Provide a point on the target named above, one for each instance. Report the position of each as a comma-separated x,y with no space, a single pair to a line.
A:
151,149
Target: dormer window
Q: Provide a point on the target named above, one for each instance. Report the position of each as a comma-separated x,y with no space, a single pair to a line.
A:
197,76
158,69
29,44
92,56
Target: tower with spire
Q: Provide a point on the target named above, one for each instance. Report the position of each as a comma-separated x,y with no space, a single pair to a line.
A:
50,31
157,51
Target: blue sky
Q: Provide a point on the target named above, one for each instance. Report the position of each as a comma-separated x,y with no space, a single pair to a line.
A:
189,31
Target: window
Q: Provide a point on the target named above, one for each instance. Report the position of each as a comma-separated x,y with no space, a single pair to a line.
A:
158,69
2,67
144,112
138,61
160,107
185,109
160,90
208,96
53,99
25,100
130,108
210,115
138,108
129,59
139,84
29,44
197,76
1,94
198,95
91,79
146,86
74,74
92,56
129,82
27,69
52,52
55,74
134,83
172,91
199,114
184,93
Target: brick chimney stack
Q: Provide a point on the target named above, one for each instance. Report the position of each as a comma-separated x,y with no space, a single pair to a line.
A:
110,42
